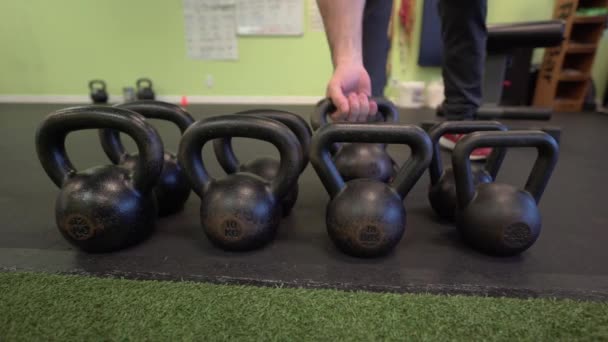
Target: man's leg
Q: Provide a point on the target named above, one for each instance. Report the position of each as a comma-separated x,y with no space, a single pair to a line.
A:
376,44
464,35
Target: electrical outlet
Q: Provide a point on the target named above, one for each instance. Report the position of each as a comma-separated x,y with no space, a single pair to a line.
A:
209,81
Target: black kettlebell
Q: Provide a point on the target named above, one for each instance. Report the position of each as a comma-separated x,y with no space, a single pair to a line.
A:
442,190
144,89
366,217
98,91
496,218
108,207
267,167
172,189
242,210
360,160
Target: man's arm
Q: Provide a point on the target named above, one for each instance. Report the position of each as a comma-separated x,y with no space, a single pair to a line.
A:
350,85
343,20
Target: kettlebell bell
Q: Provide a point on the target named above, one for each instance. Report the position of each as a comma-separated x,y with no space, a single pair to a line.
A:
366,217
496,218
172,189
267,167
242,210
104,208
98,91
442,191
144,89
360,160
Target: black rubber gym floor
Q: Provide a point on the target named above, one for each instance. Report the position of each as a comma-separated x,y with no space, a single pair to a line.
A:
569,260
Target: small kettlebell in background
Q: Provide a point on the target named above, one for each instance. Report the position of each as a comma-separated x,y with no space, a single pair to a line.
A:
144,89
366,217
241,211
264,166
360,160
496,218
173,188
98,91
442,190
109,207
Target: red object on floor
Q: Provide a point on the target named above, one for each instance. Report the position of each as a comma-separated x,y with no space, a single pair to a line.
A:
184,101
449,141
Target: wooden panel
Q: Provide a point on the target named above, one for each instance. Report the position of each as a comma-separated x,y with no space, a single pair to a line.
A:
567,105
546,82
578,61
573,47
571,90
593,20
548,75
564,74
573,75
592,3
566,11
586,33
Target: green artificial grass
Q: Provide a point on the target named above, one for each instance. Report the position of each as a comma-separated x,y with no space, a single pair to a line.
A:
61,308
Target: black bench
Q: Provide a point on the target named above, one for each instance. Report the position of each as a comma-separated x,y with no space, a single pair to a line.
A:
512,45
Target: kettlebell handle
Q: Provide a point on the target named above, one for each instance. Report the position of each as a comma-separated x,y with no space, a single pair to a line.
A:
151,109
223,147
546,160
139,82
319,117
385,133
493,163
244,126
101,83
52,132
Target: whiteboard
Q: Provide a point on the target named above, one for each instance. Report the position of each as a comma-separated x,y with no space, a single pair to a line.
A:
210,29
270,17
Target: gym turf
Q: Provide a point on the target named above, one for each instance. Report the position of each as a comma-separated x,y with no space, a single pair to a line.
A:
41,306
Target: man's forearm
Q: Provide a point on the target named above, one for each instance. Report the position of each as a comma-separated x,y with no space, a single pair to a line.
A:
343,20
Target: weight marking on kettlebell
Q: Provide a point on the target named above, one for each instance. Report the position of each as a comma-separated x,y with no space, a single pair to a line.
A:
517,235
369,236
79,227
232,229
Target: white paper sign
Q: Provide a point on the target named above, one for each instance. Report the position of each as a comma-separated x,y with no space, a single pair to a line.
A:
314,17
270,17
210,29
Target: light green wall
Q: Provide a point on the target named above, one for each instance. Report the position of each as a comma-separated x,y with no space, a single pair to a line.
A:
55,47
600,67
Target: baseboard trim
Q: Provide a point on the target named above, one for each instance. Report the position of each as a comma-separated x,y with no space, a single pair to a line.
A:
196,99
73,99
